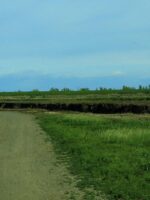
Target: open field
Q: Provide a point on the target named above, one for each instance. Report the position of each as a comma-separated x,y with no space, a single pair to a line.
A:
29,168
98,101
85,96
109,153
83,156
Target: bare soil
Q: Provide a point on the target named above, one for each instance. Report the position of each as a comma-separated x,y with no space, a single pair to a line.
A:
29,168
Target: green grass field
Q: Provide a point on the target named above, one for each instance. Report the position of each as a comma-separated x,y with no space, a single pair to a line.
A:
126,95
108,153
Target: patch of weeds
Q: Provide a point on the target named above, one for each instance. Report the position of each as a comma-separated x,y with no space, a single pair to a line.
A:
113,157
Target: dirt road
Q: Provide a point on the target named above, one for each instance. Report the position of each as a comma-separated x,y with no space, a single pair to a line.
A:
29,169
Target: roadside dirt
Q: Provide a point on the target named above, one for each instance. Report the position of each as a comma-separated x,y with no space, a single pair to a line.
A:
29,169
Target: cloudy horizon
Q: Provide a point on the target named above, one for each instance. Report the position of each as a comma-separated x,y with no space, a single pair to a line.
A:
74,44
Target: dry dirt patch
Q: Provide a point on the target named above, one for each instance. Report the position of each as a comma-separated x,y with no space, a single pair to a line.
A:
29,169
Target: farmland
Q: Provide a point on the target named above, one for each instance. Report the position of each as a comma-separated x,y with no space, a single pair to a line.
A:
130,95
105,156
96,101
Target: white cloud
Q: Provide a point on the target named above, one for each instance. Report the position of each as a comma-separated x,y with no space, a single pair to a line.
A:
118,73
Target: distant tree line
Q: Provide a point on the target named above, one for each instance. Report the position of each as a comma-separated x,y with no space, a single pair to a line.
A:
103,89
100,90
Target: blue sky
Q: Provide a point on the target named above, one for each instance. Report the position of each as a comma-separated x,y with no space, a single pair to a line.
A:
67,43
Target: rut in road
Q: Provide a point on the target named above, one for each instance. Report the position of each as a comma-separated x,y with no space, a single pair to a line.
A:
29,169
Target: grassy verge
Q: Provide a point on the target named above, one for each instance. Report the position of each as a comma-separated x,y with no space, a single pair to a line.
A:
109,153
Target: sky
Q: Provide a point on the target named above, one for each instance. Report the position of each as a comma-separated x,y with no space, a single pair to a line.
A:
74,44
